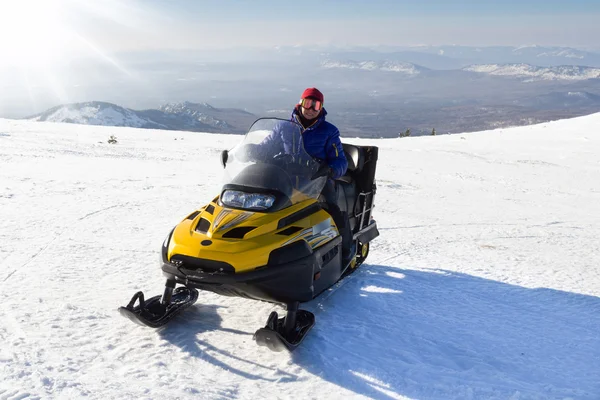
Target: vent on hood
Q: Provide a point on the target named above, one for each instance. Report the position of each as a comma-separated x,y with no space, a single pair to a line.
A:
203,226
239,232
193,215
289,231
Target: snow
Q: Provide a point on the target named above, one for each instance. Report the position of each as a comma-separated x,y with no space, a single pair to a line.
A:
387,66
534,73
567,53
484,283
96,115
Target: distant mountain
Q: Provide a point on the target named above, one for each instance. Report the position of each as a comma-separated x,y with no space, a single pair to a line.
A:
562,100
446,56
550,52
223,119
385,66
177,116
534,73
96,113
547,56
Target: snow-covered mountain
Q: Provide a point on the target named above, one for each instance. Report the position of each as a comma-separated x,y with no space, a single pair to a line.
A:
96,113
385,66
451,56
484,282
209,115
529,54
565,52
195,111
172,116
533,73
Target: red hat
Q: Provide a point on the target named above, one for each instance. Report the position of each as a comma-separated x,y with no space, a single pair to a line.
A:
313,93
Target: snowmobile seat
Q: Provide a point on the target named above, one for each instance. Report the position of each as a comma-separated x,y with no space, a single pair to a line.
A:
355,160
354,156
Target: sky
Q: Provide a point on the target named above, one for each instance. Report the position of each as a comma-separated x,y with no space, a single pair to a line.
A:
378,22
358,9
483,284
43,42
48,31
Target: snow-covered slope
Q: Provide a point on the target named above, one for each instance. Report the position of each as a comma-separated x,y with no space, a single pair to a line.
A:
535,73
387,66
484,283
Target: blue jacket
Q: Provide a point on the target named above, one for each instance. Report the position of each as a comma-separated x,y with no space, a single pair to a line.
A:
322,141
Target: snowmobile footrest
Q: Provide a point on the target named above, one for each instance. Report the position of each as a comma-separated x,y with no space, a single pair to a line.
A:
273,335
153,312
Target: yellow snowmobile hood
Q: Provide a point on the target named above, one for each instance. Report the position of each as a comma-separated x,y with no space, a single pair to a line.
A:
244,239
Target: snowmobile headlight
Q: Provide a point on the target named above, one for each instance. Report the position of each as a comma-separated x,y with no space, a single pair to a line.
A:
248,201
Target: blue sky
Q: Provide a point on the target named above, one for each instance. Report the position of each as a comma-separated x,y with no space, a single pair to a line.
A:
215,23
332,9
59,28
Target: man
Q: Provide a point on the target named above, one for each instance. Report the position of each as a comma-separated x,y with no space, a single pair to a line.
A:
321,138
322,141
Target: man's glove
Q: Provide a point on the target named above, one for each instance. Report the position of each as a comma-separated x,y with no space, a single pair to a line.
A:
324,170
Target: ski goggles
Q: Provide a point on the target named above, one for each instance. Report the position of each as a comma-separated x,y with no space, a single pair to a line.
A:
310,103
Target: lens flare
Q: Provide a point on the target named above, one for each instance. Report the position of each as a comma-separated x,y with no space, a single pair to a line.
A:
43,43
31,33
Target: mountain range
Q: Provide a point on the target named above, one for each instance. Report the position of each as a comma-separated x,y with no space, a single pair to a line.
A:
172,116
368,93
532,73
454,56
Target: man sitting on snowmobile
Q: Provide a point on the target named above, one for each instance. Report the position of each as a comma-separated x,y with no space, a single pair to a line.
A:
321,141
321,138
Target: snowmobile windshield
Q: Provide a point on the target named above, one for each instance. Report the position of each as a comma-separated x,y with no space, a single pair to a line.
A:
271,161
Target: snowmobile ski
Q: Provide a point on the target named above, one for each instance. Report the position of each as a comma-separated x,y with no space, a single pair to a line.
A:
153,312
274,336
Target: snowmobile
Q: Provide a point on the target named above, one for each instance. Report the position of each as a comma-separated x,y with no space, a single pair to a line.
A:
267,236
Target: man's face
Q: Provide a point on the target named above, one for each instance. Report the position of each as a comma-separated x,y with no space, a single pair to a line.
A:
309,113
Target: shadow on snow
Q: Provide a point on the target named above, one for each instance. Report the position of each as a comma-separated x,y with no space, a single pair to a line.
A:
389,332
185,332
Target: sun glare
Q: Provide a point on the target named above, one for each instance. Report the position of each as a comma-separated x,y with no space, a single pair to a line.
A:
48,47
32,33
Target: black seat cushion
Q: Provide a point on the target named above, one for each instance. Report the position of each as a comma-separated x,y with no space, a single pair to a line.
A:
354,157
